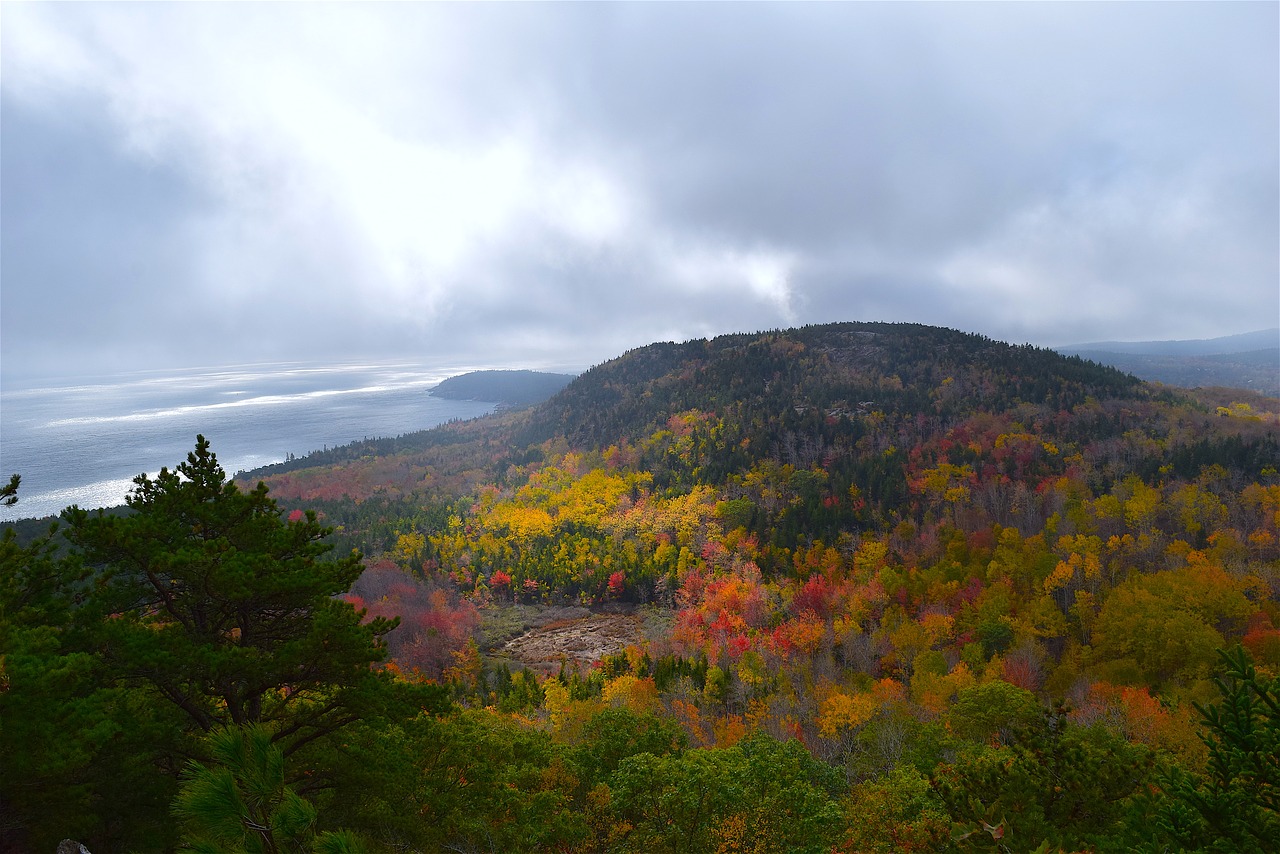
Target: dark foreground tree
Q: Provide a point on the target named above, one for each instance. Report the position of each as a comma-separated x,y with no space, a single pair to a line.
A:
9,492
207,597
240,803
1236,807
1052,784
81,755
196,609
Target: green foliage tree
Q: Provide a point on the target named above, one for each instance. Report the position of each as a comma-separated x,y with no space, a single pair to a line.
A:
240,804
896,813
760,794
612,735
1056,783
1166,624
469,781
196,609
9,492
1236,807
204,595
994,711
76,752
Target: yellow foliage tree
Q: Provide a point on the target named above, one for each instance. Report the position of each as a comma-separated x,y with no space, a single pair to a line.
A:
841,712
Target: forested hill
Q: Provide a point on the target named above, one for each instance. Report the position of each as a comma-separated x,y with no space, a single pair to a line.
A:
845,588
833,369
876,410
985,583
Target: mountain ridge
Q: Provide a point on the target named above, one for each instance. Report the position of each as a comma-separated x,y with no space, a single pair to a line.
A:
1262,339
865,403
1247,361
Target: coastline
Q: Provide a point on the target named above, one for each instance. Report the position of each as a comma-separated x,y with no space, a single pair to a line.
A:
83,442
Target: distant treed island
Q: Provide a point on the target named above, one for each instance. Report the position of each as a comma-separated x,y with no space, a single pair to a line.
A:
511,388
857,587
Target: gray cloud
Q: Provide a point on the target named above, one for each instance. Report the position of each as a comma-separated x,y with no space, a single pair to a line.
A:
553,184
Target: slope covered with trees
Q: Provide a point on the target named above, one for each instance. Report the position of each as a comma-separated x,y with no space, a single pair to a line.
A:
902,588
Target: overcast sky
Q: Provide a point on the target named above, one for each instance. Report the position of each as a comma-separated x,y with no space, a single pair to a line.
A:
549,185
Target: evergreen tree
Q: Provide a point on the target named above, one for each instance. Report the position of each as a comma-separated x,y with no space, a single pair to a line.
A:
240,804
197,609
1237,806
9,492
211,600
80,755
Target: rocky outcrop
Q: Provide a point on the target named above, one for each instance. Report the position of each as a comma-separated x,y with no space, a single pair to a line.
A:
580,642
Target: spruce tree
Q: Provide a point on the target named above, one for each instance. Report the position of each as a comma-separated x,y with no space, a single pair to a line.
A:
1236,805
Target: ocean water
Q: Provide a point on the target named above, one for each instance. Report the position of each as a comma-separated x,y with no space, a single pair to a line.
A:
83,441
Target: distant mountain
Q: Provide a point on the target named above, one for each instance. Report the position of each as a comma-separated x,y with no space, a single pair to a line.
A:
1250,360
513,388
1263,339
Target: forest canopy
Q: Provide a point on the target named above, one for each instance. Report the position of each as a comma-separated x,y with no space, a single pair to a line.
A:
873,587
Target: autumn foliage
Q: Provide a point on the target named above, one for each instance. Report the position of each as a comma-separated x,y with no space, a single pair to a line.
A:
900,589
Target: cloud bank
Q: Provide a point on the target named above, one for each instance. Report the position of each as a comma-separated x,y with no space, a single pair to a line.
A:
551,184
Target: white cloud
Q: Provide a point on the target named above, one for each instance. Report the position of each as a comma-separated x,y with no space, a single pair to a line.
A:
303,165
760,274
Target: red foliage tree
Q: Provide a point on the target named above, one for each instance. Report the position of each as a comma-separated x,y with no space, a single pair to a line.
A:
434,623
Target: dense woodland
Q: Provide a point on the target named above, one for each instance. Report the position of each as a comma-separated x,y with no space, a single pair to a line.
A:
906,589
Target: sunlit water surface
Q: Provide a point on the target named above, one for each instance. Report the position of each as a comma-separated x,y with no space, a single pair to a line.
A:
83,441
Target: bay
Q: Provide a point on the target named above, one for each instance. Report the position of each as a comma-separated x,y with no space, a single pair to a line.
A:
82,440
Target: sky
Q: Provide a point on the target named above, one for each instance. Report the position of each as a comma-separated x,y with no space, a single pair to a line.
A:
549,185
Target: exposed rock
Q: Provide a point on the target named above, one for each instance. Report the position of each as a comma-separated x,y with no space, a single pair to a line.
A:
580,642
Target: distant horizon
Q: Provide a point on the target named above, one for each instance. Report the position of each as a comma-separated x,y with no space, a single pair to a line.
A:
85,443
27,381
1274,332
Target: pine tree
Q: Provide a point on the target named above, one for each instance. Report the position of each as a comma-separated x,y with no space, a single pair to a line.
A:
217,605
240,803
9,492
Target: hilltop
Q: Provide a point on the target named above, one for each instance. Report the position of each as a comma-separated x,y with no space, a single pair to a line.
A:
837,434
855,400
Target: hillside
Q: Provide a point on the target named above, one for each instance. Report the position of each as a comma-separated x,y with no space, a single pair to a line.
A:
853,587
858,531
834,370
855,401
